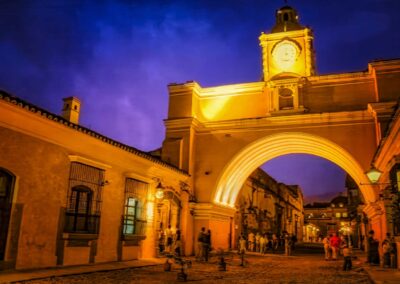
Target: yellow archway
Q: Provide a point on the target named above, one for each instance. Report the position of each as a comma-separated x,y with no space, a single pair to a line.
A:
257,153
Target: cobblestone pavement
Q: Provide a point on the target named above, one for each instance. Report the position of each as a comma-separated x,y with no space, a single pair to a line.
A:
258,269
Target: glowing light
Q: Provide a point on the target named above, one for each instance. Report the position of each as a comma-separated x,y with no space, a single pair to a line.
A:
159,193
285,54
150,210
213,108
374,174
270,147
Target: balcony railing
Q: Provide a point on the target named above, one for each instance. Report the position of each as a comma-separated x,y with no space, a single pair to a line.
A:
81,223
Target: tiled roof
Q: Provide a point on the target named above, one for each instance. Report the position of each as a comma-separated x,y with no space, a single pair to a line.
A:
4,96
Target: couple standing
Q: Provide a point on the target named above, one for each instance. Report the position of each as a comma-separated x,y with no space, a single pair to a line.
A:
203,244
331,246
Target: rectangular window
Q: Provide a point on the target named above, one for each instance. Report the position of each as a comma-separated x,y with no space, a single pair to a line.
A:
134,219
344,215
84,199
337,215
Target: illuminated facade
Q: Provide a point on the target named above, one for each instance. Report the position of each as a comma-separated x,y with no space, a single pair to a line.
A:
220,135
266,206
69,195
322,218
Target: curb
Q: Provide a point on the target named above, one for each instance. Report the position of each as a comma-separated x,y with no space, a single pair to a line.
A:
71,273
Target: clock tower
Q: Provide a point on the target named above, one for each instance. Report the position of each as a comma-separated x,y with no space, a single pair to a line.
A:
287,51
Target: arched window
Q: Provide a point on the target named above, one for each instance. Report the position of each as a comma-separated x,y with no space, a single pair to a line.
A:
286,17
6,196
84,199
285,99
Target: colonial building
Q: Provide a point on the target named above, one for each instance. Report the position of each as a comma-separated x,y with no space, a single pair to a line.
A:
221,134
387,166
266,206
322,218
69,195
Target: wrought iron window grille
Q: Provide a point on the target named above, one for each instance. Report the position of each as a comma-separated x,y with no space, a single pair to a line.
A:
84,199
134,219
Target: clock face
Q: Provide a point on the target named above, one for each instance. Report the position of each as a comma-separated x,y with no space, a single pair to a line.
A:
285,54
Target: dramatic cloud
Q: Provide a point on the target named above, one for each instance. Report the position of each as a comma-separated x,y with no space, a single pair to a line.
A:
119,56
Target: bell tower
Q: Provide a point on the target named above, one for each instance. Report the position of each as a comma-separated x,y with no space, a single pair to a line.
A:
287,51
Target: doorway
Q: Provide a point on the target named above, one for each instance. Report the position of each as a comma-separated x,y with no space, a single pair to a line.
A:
6,196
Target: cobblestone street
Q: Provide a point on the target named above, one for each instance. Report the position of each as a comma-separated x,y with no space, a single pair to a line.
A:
258,269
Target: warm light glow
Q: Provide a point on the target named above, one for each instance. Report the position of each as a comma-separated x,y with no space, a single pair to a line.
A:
214,108
270,147
159,193
150,210
374,175
285,54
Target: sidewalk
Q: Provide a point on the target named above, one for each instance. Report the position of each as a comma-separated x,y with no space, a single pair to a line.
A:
377,274
24,275
380,275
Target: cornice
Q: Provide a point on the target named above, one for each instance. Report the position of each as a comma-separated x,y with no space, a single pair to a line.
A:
229,90
302,120
26,108
385,65
289,34
211,211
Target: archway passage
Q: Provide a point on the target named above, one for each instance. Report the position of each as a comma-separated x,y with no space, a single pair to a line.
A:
270,147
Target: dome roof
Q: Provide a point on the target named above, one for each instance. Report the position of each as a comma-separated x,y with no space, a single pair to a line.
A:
286,20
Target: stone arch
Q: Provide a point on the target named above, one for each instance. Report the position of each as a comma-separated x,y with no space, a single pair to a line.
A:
262,150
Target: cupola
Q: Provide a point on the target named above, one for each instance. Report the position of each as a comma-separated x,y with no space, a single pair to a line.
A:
287,19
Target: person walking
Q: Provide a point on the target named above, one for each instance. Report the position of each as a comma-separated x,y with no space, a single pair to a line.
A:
347,264
207,244
326,243
335,245
242,245
200,240
373,249
294,241
288,244
250,239
257,242
262,244
168,239
386,249
275,243
177,243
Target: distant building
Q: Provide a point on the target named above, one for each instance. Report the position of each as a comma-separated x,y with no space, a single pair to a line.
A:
267,206
322,218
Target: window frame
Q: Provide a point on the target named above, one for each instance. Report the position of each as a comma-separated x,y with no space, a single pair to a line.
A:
134,217
89,181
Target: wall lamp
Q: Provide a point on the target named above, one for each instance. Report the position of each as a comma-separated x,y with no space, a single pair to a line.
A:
373,175
159,191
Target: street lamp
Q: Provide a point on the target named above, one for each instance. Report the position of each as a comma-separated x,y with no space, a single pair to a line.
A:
373,175
159,191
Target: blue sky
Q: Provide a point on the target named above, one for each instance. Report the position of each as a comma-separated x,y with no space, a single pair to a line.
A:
119,56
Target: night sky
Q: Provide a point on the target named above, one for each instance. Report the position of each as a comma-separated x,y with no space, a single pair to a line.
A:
119,56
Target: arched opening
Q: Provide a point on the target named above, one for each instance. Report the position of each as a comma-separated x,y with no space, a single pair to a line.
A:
6,196
270,147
